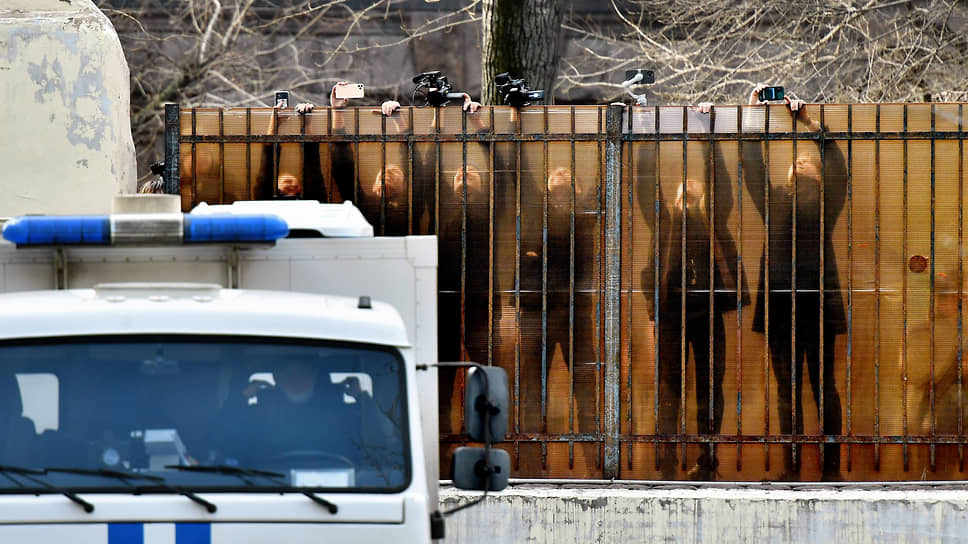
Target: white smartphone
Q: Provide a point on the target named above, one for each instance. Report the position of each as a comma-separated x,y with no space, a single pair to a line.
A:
350,90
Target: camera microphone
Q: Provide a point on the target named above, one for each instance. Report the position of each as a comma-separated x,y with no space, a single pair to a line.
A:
632,77
635,79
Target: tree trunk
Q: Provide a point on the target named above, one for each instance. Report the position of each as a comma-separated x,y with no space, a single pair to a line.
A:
520,37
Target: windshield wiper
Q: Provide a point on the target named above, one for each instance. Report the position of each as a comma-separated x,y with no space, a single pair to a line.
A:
107,473
242,472
28,474
125,476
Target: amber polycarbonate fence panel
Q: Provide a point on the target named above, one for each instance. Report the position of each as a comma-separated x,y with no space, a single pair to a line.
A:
763,257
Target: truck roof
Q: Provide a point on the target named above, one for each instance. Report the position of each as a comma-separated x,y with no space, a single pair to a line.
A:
203,309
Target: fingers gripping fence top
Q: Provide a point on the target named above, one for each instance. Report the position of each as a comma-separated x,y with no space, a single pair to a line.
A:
747,294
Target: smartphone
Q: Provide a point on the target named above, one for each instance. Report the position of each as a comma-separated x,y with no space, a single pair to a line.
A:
282,99
771,93
350,90
648,77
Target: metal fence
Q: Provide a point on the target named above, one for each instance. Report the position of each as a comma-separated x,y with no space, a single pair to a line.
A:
742,294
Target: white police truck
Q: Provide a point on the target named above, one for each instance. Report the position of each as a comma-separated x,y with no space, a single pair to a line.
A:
225,376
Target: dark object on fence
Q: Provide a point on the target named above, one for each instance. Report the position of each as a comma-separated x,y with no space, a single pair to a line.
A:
515,92
432,89
771,93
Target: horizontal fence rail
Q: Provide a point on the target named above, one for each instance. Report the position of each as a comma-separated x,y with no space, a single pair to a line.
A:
744,294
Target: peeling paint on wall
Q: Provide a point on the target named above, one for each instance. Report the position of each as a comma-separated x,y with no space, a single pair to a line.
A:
68,98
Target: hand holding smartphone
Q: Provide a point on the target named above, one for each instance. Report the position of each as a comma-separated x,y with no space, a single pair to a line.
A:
768,94
282,99
348,90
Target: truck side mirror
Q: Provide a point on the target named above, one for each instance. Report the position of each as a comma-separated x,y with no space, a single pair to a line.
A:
473,472
486,404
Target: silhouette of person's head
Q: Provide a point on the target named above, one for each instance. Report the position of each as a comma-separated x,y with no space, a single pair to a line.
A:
287,184
695,199
392,179
806,167
296,380
473,178
560,182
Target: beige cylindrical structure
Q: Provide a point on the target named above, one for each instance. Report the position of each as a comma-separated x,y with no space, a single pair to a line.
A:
65,132
146,203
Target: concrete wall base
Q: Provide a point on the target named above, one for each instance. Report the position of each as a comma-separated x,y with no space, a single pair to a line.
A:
685,514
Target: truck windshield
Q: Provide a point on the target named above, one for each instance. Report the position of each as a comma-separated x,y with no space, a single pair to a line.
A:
305,415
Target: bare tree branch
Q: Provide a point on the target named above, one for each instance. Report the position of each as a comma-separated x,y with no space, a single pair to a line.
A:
844,50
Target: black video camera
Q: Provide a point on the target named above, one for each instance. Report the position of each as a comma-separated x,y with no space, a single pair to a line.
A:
433,88
515,92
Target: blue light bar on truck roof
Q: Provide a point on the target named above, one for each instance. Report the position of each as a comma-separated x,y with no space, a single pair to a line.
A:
143,228
235,228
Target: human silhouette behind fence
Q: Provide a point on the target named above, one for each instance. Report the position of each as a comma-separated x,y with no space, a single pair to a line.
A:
685,313
819,164
557,268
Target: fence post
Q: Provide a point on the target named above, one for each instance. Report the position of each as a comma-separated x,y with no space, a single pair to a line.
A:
612,297
172,130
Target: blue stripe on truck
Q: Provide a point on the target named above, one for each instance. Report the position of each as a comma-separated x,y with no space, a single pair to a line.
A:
134,533
126,533
193,533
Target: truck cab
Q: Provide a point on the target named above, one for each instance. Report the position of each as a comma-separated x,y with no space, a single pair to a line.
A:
236,390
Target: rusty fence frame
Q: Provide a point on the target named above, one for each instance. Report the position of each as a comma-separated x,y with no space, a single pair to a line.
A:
616,136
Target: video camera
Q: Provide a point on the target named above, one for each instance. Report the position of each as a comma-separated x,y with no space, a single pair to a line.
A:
433,88
515,92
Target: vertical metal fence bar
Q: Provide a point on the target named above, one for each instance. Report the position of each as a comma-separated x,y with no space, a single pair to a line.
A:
172,148
739,287
571,294
904,294
410,179
683,351
850,281
613,277
931,309
356,155
463,233
656,256
600,304
877,291
711,217
545,226
410,168
221,156
302,158
795,362
766,278
629,172
820,286
382,174
961,275
490,245
195,159
248,154
330,127
438,163
516,118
